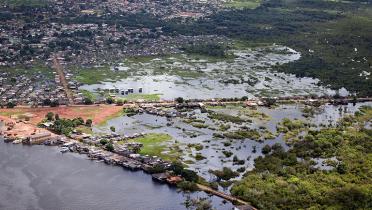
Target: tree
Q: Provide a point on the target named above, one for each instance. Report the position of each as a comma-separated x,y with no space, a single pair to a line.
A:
110,100
109,147
341,168
89,123
47,102
180,100
10,105
266,149
88,101
54,103
50,116
119,102
189,175
177,167
112,128
103,141
78,121
225,173
269,101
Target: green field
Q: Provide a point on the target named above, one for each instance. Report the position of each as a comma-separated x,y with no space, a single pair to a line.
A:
96,75
243,4
156,144
145,97
37,69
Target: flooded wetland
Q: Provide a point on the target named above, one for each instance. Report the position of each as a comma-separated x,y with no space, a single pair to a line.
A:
246,72
230,136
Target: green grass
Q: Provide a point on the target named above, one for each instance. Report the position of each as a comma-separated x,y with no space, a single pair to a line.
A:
156,144
37,69
84,129
145,97
88,94
97,75
225,117
243,4
118,114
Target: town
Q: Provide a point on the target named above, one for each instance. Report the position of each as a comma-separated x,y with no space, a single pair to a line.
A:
191,104
76,32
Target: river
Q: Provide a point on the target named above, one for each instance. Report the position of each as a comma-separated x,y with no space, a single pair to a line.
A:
40,177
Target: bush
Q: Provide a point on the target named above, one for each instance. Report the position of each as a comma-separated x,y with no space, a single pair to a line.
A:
87,101
227,153
10,105
199,156
110,100
103,141
187,186
89,123
49,116
109,147
266,149
225,173
189,175
179,100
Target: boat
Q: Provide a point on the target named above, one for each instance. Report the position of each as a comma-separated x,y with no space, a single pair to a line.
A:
64,149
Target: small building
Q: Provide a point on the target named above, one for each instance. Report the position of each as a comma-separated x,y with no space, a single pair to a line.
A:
39,138
161,177
174,179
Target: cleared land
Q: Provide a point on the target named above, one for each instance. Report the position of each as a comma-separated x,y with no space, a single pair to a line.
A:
99,114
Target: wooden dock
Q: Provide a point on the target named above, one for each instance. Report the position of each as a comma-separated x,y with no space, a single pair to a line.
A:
224,196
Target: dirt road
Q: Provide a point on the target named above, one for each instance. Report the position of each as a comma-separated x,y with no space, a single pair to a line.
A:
58,67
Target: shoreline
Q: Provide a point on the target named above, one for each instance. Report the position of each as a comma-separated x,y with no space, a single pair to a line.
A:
129,162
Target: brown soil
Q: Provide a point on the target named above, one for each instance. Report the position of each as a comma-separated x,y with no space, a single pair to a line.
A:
98,113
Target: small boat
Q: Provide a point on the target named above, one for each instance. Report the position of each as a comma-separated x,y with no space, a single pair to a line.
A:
17,141
64,149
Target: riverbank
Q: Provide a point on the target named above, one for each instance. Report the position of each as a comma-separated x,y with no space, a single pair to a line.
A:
41,178
174,118
125,159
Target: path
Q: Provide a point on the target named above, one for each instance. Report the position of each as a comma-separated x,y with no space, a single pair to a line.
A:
62,78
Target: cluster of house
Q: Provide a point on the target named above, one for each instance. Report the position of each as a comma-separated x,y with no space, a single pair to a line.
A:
31,89
159,111
35,88
124,154
88,43
158,8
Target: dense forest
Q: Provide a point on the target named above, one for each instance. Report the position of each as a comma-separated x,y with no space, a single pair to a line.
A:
294,179
334,37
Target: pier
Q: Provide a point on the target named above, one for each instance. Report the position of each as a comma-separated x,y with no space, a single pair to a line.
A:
225,196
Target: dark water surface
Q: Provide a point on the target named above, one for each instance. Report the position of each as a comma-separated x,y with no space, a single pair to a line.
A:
40,177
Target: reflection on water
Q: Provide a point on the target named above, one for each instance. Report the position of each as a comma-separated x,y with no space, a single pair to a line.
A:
213,147
247,75
40,177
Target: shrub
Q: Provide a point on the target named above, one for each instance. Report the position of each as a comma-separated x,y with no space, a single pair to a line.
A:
266,149
109,147
187,186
